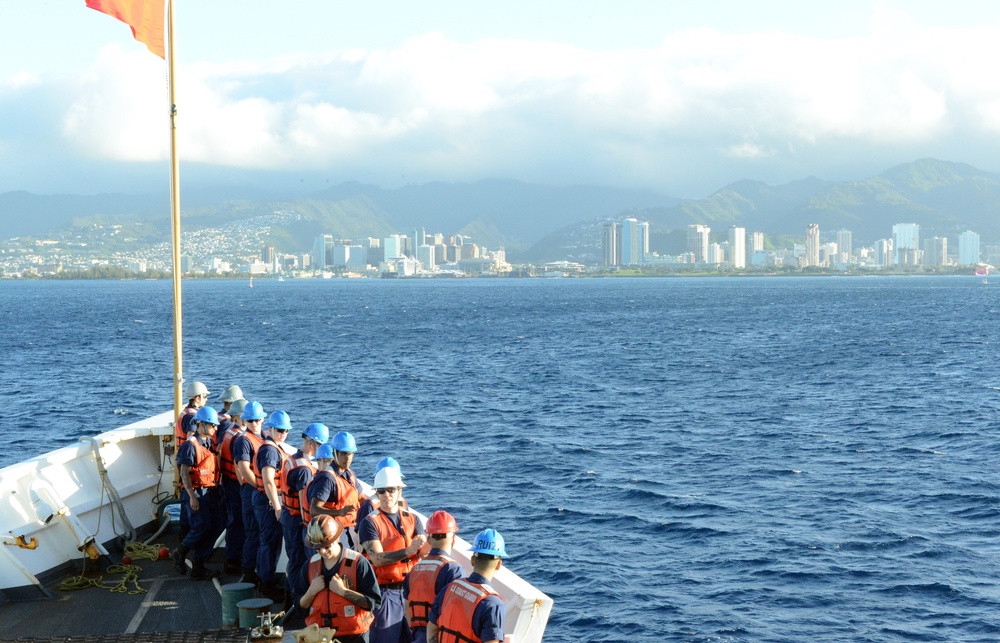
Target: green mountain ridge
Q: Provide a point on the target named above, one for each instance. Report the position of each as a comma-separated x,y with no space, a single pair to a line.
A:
546,223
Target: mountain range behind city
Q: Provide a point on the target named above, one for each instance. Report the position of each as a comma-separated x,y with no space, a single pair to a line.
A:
537,223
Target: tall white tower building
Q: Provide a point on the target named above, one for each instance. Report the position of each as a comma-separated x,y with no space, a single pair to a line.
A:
906,243
697,242
635,242
844,249
737,248
968,248
812,245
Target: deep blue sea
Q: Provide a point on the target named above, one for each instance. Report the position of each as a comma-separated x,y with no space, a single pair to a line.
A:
732,459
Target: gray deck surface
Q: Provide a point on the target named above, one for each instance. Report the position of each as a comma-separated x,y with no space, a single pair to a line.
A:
174,608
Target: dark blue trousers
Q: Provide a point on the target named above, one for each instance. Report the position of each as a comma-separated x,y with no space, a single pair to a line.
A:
251,529
207,523
270,538
294,531
235,534
390,621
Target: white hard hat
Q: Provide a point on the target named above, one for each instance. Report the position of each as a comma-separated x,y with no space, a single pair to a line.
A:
388,477
231,394
194,389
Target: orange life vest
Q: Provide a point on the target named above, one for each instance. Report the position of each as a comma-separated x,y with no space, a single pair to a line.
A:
331,610
392,540
347,494
457,607
179,433
277,470
226,462
205,472
255,442
288,497
422,581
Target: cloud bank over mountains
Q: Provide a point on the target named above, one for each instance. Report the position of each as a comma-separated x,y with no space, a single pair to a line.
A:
702,109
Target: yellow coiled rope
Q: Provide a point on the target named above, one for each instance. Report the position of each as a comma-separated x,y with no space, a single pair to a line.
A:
135,551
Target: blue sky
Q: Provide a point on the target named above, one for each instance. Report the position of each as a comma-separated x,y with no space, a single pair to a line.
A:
679,97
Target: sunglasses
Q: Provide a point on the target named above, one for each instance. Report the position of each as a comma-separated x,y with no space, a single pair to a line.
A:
279,430
386,490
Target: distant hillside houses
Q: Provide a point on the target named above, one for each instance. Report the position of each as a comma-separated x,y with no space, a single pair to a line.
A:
625,243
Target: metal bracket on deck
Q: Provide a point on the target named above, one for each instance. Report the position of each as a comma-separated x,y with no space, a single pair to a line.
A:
19,541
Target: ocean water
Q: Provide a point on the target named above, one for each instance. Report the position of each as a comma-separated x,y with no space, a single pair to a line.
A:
733,459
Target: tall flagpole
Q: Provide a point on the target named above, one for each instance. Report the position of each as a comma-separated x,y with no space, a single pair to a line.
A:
175,207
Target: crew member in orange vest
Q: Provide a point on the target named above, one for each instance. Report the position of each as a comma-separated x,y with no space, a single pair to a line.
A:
337,491
230,429
295,477
431,574
197,396
341,589
391,538
202,495
267,467
469,610
244,450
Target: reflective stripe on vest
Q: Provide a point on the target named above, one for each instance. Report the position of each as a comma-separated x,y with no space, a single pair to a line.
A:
332,610
457,608
392,540
277,469
288,497
422,581
205,472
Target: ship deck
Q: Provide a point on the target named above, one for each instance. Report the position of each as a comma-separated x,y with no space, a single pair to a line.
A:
173,608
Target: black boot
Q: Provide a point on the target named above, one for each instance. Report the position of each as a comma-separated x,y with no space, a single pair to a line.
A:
233,567
178,555
250,576
200,572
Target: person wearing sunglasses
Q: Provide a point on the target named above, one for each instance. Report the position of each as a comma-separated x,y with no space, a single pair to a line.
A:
244,450
391,538
267,467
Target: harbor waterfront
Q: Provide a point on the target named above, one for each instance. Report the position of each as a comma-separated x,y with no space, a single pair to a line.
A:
754,459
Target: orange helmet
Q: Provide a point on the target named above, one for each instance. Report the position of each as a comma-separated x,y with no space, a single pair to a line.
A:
441,522
323,531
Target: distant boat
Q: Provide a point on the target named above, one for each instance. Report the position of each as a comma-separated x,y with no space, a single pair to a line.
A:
251,281
982,271
281,278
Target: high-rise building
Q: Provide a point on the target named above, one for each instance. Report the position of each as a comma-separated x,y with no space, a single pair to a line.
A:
634,242
756,242
968,248
715,254
425,255
609,244
935,251
737,247
267,255
697,242
906,243
393,246
844,249
322,251
812,245
883,253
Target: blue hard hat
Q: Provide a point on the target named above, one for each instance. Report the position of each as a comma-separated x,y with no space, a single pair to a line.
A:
207,414
388,462
317,432
325,452
280,420
489,541
253,411
344,441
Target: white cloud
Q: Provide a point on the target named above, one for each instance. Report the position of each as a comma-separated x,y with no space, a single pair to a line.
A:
509,107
